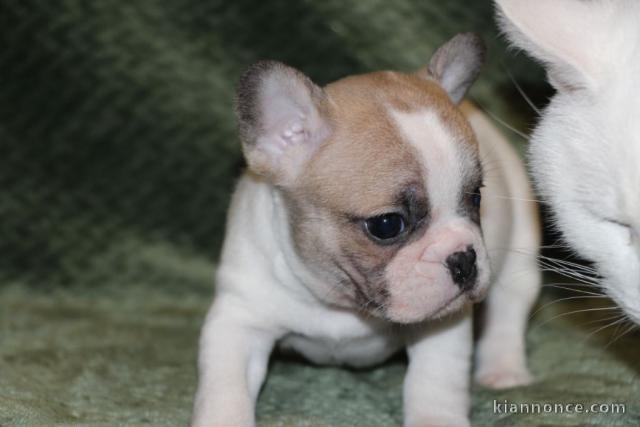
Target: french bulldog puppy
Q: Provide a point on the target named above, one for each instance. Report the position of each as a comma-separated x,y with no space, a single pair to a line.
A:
358,231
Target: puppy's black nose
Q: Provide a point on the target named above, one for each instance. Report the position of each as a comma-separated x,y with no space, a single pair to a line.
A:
462,266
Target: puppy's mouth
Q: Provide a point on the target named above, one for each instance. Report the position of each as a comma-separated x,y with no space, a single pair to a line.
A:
451,305
421,298
461,299
477,294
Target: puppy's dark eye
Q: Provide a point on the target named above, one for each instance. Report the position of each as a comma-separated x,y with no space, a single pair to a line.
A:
475,198
385,227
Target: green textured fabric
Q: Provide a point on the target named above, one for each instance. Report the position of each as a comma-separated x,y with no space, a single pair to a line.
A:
117,157
127,358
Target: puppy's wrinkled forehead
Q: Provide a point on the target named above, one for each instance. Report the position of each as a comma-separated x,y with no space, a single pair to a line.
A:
393,133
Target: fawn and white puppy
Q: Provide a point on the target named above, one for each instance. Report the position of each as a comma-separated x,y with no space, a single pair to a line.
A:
358,231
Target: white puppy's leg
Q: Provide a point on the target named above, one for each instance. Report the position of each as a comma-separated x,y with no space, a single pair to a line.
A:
232,366
501,359
436,388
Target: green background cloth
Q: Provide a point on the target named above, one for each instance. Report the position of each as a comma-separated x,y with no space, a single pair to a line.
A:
118,154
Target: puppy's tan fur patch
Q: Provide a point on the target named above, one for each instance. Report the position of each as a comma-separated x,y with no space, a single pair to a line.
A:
363,134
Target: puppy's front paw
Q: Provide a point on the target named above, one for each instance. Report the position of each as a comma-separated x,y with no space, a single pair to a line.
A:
504,377
439,421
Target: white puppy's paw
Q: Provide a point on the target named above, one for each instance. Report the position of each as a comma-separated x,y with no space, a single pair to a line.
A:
504,377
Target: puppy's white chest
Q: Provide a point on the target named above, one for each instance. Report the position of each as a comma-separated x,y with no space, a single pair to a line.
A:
343,338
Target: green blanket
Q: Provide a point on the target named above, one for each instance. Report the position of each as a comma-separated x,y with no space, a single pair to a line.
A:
117,157
127,358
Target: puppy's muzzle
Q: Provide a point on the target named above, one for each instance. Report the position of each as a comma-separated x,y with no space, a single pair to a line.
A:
463,269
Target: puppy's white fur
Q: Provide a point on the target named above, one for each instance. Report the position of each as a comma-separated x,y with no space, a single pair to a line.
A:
586,148
265,297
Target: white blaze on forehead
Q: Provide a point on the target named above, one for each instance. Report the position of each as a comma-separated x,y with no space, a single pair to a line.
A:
442,156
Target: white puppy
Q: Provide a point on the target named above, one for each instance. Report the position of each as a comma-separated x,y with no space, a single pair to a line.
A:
585,150
358,232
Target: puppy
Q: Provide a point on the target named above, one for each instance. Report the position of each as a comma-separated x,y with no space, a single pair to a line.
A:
358,231
585,149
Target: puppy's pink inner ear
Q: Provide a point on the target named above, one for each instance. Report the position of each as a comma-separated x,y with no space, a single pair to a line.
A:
285,123
291,125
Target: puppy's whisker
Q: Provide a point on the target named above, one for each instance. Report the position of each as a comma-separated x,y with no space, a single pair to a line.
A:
587,310
517,199
564,299
585,280
587,272
505,124
577,287
569,263
575,291
570,273
615,332
608,325
516,250
557,245
605,319
570,287
521,91
582,273
631,327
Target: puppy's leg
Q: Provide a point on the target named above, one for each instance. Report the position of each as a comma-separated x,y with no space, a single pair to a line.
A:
436,388
501,359
233,358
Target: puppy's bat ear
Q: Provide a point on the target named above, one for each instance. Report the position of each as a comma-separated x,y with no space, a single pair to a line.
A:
566,36
456,64
282,120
